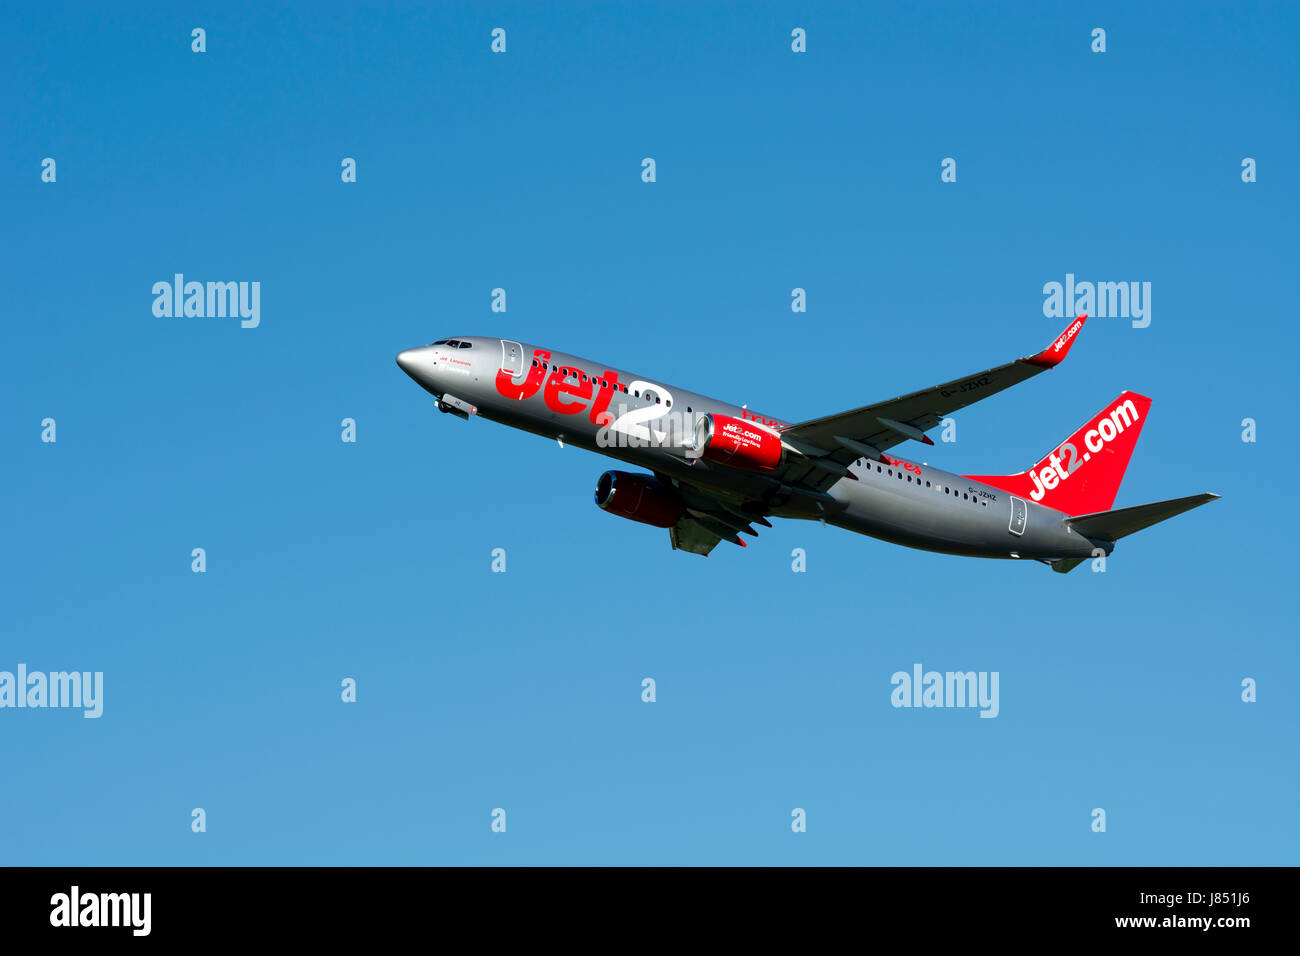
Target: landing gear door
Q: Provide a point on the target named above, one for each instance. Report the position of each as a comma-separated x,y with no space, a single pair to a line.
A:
512,358
1019,514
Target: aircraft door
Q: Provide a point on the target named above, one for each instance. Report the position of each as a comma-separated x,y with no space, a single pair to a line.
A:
512,358
1019,514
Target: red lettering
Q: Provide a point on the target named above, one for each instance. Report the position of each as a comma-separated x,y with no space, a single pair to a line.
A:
746,414
899,463
506,384
557,386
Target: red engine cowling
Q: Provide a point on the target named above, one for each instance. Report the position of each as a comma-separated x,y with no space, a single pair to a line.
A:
736,442
639,497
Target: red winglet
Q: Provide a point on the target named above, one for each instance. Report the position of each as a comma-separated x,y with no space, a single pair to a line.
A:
1055,353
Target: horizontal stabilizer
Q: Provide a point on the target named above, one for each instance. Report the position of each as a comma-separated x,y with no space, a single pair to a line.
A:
1113,525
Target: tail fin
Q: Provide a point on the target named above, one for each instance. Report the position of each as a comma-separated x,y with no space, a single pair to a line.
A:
1081,475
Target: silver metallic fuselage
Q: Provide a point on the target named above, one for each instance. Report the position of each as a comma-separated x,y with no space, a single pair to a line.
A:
896,500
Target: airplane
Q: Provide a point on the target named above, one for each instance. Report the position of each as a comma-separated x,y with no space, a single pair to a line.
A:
716,469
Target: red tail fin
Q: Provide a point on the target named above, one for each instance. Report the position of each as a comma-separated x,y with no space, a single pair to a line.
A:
1082,474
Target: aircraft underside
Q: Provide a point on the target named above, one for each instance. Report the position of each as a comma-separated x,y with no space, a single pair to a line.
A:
716,471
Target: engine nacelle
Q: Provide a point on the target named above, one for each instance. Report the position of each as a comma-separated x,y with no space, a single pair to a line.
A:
736,442
640,497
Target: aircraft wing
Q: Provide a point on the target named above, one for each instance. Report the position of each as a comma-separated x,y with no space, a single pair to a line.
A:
690,535
708,520
829,444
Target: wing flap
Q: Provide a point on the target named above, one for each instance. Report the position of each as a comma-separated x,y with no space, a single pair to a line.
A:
710,519
690,535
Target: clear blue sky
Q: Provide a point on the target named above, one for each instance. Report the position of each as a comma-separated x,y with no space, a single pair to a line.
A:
522,690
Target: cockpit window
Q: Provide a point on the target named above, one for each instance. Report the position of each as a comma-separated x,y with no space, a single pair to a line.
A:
464,345
440,342
453,344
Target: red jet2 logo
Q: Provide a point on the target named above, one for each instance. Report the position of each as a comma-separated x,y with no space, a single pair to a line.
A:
561,383
571,382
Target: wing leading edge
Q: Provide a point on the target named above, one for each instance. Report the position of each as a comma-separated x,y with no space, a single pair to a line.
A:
840,440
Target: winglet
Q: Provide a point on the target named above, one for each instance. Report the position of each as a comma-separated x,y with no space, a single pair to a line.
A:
1055,353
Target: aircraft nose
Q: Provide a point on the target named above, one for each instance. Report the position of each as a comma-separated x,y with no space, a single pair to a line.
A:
417,363
420,364
406,361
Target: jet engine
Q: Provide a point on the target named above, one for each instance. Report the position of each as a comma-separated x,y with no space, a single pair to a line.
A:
736,442
642,498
